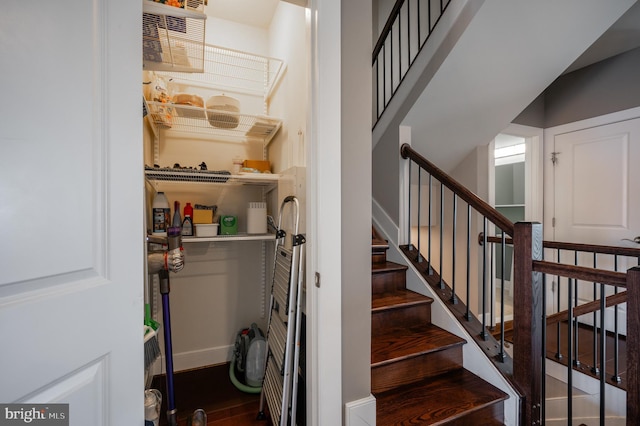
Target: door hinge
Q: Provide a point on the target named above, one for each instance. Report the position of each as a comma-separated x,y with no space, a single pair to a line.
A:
554,157
317,279
553,222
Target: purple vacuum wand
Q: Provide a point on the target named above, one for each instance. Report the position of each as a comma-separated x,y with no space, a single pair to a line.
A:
171,260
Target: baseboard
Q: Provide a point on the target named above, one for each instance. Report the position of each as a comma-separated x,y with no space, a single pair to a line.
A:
361,412
384,223
195,359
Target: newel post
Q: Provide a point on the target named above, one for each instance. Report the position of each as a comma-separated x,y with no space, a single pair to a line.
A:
527,321
633,346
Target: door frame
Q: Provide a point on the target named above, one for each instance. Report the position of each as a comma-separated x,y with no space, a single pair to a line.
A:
534,196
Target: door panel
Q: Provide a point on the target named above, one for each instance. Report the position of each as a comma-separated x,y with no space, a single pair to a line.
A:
71,253
597,183
597,195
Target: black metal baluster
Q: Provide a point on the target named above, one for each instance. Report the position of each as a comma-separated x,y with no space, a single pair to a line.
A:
543,347
467,314
419,258
419,29
558,325
454,297
376,64
399,49
391,87
483,333
384,77
594,368
502,355
430,223
408,34
570,355
441,283
575,324
492,283
616,362
603,355
409,245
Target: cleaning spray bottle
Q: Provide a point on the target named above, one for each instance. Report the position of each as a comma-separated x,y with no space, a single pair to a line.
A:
187,223
161,214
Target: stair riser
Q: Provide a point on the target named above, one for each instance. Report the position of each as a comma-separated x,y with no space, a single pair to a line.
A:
491,415
378,258
408,315
411,370
386,281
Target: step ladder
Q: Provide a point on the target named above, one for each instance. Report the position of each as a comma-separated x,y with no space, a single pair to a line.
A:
280,386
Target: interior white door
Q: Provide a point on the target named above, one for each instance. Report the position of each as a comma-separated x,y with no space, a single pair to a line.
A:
597,191
71,251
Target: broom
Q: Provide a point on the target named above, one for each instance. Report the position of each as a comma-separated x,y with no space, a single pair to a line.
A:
151,347
151,343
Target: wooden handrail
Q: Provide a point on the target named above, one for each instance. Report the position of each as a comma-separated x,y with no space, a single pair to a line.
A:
586,248
476,202
617,279
593,248
387,28
588,308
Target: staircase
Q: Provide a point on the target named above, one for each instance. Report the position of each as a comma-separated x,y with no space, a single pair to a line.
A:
417,373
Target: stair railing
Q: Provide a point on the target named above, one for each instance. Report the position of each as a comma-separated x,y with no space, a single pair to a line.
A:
526,370
428,222
586,295
405,33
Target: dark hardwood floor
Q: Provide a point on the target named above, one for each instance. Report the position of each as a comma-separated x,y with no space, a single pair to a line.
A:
211,389
585,349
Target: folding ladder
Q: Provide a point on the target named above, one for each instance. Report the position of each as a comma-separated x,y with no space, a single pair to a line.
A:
280,385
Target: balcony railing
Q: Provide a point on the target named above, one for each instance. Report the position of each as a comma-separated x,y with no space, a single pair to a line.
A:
409,26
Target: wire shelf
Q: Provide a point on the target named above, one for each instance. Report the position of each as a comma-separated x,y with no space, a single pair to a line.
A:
172,37
234,71
167,174
221,124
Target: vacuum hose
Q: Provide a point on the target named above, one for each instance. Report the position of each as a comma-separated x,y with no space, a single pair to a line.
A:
241,386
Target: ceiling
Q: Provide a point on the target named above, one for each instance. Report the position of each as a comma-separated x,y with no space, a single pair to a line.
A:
621,37
256,13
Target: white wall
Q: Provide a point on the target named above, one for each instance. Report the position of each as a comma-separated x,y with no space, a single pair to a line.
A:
355,169
289,41
234,35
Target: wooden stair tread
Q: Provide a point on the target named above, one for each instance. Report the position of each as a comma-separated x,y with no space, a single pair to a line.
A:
387,267
397,299
406,342
437,400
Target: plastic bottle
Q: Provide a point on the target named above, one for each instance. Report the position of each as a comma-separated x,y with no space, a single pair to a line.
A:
177,219
161,214
187,223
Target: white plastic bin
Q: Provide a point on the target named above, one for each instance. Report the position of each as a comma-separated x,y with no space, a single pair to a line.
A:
257,218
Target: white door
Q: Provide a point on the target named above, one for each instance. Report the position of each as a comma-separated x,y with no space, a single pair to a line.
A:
597,192
71,248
